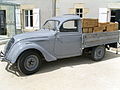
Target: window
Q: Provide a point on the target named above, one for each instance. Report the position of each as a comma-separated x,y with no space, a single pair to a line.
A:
115,15
28,18
69,26
51,25
79,11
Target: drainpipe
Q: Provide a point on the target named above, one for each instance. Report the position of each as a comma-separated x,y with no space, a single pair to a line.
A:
54,8
15,19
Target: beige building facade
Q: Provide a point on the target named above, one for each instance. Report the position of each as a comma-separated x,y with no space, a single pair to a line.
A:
105,10
29,15
25,15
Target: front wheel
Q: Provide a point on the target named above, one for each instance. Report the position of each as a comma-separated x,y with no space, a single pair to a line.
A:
29,62
98,53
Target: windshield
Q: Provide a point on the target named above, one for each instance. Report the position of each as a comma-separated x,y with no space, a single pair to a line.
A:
51,25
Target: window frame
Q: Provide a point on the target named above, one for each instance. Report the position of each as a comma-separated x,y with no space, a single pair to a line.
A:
29,19
80,12
51,20
67,21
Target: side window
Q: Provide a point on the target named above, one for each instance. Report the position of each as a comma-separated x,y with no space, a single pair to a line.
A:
69,26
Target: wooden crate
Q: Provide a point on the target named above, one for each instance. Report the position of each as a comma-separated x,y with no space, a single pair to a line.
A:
90,30
87,30
87,23
98,29
104,25
112,26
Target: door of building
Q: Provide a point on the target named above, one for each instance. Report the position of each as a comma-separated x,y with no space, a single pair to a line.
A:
115,16
3,30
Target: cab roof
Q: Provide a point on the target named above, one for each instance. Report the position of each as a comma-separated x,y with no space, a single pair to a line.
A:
65,17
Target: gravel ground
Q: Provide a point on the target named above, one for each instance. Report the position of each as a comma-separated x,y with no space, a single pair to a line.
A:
79,73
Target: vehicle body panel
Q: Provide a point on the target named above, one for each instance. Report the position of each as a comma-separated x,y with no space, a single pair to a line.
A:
68,44
100,38
22,46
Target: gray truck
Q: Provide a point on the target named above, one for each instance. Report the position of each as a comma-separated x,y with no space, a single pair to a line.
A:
60,37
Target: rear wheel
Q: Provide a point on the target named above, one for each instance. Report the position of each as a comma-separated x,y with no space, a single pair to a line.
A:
29,62
98,53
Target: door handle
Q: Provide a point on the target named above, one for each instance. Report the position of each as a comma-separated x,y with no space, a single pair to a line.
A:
58,38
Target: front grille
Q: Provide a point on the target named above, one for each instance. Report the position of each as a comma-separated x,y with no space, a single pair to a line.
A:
10,43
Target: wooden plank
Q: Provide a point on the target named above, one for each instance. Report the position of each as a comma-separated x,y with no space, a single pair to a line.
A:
100,38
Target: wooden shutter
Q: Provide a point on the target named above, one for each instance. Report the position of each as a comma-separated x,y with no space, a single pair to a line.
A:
36,18
103,15
18,19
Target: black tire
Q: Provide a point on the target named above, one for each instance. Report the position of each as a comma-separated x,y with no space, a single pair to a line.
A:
29,62
98,53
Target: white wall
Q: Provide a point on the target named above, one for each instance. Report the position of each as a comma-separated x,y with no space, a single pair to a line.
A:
92,5
64,6
44,5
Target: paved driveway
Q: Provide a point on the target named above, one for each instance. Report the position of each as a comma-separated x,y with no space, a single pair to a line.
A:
79,73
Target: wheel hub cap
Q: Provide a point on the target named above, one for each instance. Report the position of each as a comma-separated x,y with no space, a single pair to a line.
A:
31,62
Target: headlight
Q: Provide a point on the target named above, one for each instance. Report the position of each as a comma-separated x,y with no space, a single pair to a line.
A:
10,43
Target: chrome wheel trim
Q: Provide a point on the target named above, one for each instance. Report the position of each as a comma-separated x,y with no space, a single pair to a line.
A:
99,53
31,62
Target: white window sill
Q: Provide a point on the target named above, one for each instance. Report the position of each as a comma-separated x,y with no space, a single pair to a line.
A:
29,28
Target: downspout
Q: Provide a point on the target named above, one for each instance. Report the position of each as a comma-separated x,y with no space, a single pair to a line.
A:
54,7
15,18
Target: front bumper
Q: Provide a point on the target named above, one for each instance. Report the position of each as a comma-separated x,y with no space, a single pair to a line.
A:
2,57
10,67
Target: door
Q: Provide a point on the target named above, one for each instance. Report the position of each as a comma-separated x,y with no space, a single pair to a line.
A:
68,40
3,30
115,16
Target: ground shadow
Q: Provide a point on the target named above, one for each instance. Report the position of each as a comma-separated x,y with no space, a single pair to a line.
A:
70,62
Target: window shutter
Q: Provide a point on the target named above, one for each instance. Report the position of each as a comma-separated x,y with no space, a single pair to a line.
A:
103,15
18,20
36,18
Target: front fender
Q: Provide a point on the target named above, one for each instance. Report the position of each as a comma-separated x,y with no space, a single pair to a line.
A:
18,48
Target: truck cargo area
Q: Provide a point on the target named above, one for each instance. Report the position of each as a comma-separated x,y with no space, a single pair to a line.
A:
100,38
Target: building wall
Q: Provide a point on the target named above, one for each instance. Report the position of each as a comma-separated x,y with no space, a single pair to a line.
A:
45,7
7,22
91,7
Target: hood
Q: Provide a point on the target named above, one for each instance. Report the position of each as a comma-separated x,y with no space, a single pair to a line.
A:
36,34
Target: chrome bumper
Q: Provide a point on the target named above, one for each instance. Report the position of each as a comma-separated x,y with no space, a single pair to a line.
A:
10,67
1,56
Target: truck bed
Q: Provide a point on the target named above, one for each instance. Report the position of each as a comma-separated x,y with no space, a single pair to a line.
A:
100,38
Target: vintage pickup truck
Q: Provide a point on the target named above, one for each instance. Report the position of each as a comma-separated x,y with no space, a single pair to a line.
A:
60,37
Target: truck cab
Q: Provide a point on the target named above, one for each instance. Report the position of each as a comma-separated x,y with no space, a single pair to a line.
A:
68,39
